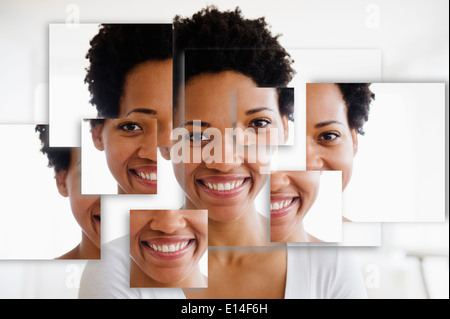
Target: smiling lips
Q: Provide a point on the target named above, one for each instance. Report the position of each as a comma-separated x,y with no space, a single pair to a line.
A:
281,205
223,186
146,175
168,248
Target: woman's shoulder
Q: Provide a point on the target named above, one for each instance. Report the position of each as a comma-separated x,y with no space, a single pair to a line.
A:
331,272
108,277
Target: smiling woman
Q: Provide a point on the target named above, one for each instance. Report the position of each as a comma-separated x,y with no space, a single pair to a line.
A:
166,247
223,64
137,59
85,208
131,152
224,87
292,194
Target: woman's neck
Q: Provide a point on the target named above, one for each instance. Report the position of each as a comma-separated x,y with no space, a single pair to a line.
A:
249,229
298,235
86,249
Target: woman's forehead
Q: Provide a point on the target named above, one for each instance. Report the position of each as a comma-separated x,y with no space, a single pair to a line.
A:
324,102
225,95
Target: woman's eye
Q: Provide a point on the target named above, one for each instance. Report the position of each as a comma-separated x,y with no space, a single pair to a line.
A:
260,123
329,136
198,137
130,127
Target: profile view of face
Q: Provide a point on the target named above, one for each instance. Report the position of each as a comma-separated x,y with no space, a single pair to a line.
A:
224,181
330,142
131,152
292,194
85,208
166,247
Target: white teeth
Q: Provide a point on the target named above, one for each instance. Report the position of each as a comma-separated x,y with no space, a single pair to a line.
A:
169,248
224,186
280,205
150,176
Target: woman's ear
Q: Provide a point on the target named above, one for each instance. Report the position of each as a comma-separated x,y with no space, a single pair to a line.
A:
165,152
355,141
61,183
97,136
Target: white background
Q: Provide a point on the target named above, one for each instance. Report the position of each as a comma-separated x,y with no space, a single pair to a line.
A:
412,37
399,170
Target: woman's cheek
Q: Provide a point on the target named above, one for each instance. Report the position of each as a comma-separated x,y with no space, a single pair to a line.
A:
116,157
343,162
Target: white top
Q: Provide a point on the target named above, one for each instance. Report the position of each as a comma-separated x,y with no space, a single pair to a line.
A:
312,273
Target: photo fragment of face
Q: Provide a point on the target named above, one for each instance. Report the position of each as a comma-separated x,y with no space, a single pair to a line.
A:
85,208
331,143
224,138
258,118
216,176
166,247
147,93
130,146
292,194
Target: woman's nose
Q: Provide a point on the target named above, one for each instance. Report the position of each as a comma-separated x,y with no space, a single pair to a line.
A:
164,130
314,159
278,180
148,145
168,222
223,157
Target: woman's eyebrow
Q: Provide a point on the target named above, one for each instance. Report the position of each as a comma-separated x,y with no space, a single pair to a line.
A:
259,109
326,123
142,110
196,122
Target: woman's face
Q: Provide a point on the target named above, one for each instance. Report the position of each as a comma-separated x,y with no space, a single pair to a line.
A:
131,153
292,194
166,245
147,93
85,208
331,143
226,179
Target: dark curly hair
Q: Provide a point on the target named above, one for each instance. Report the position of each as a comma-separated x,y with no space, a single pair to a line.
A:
58,157
357,97
114,52
213,41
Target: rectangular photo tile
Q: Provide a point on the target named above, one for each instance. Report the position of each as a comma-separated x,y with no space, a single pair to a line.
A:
168,248
137,83
130,154
305,206
44,215
382,136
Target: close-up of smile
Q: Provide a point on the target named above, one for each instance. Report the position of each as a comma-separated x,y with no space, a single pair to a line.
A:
146,175
281,205
169,248
224,186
